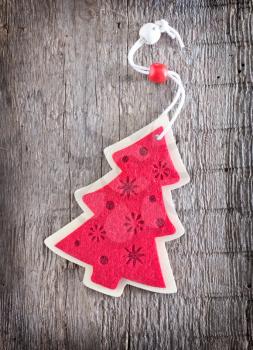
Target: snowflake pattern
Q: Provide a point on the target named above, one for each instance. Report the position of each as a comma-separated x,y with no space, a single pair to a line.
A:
97,232
128,187
134,223
134,255
161,170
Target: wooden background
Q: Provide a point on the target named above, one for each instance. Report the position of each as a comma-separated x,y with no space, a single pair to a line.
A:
67,92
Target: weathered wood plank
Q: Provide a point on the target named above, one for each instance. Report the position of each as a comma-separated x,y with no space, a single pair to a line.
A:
67,92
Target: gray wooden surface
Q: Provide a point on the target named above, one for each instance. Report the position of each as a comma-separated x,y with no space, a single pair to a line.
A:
67,92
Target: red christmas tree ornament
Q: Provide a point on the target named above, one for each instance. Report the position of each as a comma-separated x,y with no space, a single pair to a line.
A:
158,73
128,214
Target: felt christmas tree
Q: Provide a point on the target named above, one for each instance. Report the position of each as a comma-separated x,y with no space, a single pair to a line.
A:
127,216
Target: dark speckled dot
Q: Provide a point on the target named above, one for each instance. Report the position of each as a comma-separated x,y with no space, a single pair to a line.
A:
152,198
103,260
77,243
110,205
125,159
160,222
143,151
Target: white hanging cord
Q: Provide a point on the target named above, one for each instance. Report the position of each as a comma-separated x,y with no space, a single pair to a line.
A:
132,51
173,33
177,96
150,33
180,95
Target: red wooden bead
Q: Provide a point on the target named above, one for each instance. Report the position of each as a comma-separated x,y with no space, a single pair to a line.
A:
158,73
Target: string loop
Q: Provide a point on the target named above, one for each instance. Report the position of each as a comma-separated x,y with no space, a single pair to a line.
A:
150,34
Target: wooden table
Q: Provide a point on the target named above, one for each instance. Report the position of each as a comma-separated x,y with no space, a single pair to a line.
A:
67,92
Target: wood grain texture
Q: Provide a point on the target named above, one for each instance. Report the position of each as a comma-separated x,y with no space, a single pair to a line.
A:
67,92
